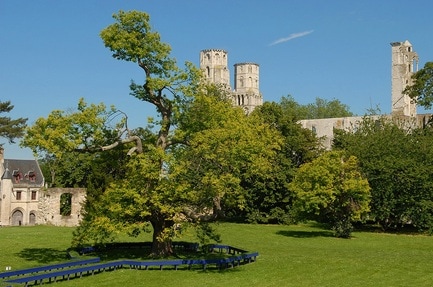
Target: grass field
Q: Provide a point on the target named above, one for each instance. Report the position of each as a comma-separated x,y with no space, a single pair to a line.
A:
302,255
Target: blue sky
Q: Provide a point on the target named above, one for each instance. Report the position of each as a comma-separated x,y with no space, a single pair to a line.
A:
52,55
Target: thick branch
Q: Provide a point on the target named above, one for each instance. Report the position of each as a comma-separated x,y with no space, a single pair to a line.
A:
138,145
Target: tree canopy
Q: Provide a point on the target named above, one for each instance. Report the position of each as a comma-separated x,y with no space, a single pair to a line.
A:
185,170
320,109
395,159
332,189
10,129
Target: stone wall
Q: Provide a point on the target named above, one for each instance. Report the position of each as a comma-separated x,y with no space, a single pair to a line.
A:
49,206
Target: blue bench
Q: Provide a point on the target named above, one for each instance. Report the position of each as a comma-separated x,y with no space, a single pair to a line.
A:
67,272
49,267
146,264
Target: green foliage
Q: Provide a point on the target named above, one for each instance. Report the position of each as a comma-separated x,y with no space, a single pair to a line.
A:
395,159
268,198
10,128
422,88
63,132
225,148
206,234
320,109
65,204
332,189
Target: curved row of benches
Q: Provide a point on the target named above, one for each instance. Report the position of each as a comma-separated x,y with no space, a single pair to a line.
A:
66,271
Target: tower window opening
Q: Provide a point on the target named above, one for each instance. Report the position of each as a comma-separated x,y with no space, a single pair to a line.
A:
66,204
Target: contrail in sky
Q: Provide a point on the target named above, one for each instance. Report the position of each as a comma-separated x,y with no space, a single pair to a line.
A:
291,37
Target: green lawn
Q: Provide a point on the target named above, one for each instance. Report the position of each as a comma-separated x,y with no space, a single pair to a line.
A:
301,255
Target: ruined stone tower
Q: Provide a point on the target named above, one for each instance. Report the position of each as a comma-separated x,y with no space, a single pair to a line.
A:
214,63
246,92
404,65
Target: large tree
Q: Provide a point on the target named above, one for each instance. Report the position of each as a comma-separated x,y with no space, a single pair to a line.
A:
185,168
333,190
395,158
10,129
269,199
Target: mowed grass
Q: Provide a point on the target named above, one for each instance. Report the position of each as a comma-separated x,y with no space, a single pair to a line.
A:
302,255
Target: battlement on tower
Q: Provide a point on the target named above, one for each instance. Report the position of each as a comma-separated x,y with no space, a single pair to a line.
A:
214,50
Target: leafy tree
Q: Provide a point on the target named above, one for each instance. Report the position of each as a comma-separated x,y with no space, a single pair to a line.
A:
185,169
268,198
332,189
320,109
422,88
395,159
10,128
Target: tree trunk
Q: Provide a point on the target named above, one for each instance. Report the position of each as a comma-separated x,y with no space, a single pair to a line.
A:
161,244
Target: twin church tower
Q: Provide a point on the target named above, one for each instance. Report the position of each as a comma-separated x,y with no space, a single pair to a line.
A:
245,93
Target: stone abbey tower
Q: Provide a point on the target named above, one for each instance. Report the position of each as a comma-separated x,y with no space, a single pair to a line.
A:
246,93
404,65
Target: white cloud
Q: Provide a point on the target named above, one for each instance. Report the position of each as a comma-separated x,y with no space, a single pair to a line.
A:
291,37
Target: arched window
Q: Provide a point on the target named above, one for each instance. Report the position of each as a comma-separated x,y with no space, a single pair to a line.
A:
65,204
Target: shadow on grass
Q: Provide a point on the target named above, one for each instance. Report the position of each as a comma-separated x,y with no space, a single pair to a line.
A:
43,255
305,234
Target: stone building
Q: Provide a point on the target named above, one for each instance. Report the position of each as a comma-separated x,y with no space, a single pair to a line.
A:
404,65
25,201
245,93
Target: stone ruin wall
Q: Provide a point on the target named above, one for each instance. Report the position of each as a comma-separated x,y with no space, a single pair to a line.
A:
49,206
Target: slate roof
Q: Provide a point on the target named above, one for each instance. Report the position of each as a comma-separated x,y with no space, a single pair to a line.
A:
23,172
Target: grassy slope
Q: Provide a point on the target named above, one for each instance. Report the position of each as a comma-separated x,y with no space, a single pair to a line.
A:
289,256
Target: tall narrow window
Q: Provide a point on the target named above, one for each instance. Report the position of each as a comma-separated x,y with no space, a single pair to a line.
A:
18,196
33,195
66,204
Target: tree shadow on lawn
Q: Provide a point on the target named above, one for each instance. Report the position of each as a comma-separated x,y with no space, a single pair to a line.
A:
305,234
43,255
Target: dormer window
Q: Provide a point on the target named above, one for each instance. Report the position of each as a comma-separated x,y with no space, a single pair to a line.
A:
32,176
17,175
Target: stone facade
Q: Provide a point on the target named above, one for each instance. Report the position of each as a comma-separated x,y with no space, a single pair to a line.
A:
25,201
246,93
50,206
404,64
